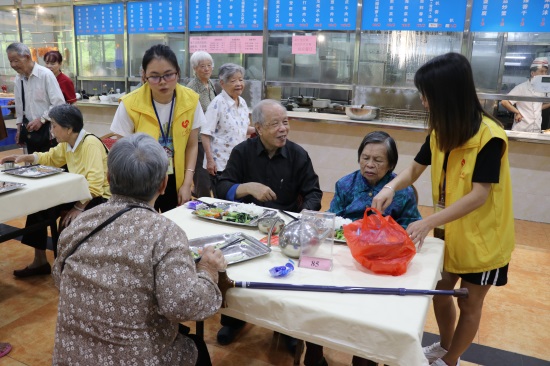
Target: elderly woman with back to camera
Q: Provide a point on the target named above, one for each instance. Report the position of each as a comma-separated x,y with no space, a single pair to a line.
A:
170,113
227,121
202,64
124,286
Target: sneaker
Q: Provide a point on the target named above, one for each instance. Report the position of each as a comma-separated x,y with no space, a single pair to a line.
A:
433,352
440,362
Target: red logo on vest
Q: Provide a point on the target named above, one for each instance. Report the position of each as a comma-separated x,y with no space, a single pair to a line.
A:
185,123
463,162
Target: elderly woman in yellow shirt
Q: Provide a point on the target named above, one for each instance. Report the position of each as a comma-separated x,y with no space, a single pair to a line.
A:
83,153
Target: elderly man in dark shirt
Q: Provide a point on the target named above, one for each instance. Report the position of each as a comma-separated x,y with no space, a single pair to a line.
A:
269,170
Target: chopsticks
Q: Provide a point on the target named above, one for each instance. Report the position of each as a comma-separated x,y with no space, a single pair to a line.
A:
206,203
224,246
20,167
294,218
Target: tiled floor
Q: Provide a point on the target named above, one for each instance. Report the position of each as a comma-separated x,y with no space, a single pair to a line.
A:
516,317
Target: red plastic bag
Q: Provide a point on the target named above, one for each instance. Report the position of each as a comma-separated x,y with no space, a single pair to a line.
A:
379,243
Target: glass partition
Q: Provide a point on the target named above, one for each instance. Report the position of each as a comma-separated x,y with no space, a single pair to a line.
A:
391,58
8,35
332,62
139,43
50,28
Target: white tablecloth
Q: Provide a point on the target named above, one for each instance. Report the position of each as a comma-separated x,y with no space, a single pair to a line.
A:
383,328
41,193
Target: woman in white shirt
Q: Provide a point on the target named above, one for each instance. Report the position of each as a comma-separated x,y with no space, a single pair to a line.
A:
227,121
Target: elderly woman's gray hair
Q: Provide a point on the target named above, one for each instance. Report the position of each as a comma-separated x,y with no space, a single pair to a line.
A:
198,57
381,137
258,115
227,71
19,48
67,116
137,166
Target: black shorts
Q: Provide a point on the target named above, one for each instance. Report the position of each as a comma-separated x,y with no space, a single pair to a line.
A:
495,277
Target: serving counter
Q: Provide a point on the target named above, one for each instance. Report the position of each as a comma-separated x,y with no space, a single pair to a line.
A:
383,328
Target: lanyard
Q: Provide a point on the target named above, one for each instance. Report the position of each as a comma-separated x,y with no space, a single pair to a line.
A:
164,136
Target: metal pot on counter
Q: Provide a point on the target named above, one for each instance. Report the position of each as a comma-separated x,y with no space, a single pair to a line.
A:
303,101
362,112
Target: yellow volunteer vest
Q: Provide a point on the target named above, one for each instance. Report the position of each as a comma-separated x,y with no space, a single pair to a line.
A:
483,239
139,106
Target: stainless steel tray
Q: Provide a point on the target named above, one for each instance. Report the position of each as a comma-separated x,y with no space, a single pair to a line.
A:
245,249
33,171
10,186
223,206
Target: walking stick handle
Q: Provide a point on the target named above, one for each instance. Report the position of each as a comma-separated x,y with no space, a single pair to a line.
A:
461,292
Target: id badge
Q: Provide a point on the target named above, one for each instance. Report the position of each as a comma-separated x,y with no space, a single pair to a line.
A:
170,156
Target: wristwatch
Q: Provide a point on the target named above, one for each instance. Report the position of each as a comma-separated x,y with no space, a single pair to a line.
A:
43,120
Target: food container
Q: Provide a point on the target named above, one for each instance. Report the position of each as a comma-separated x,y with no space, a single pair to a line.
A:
104,98
9,164
236,247
304,101
321,103
362,112
265,224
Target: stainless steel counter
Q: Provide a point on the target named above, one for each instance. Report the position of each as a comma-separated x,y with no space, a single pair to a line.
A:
542,138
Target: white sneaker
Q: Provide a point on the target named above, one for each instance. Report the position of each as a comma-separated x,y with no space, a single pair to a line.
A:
440,362
433,352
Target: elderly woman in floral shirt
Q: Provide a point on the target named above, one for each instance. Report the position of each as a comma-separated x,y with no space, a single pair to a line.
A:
124,289
227,121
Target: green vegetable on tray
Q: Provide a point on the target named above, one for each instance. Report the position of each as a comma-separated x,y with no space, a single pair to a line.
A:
239,217
339,234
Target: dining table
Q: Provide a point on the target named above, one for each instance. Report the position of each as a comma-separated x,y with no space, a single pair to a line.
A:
382,328
38,194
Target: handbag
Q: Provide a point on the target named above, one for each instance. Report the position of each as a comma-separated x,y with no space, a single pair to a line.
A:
36,138
379,243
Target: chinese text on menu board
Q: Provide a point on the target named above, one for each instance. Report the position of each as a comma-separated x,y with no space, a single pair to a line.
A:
223,15
156,16
425,15
312,14
99,19
226,44
510,16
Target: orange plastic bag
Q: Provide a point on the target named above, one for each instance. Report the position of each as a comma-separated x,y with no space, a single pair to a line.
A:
379,243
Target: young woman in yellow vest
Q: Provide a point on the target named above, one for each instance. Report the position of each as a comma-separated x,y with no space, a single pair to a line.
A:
170,113
472,192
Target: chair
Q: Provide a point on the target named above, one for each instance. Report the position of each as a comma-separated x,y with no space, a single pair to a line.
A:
109,139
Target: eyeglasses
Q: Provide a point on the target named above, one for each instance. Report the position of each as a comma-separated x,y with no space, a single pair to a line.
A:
166,77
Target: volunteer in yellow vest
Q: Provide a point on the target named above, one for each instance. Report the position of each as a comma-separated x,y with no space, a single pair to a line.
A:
170,113
472,193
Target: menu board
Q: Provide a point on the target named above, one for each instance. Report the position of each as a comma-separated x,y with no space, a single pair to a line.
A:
227,44
99,19
510,16
226,15
156,16
417,15
312,14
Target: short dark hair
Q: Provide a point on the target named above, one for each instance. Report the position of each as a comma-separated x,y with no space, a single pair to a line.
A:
381,137
160,51
447,84
53,56
68,116
137,166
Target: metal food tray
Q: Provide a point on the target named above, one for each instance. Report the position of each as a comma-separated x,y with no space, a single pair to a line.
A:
10,186
246,249
253,223
33,171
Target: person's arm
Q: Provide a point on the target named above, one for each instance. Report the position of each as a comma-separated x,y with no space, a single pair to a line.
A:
510,107
191,151
27,158
178,279
258,190
545,105
122,124
67,88
54,93
337,205
309,186
207,133
404,179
